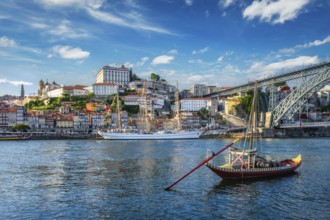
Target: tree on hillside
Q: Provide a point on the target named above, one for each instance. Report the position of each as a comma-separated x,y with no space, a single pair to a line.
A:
154,77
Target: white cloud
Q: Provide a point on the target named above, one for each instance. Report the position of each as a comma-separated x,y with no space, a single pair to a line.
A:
196,78
129,20
189,2
142,61
15,83
64,30
287,50
207,13
200,51
269,69
39,25
220,59
173,51
128,65
95,4
274,11
163,59
67,52
225,3
315,43
199,61
6,42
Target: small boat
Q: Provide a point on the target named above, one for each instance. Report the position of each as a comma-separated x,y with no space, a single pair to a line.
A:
14,137
246,162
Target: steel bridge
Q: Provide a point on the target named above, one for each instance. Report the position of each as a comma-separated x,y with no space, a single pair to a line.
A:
298,74
318,77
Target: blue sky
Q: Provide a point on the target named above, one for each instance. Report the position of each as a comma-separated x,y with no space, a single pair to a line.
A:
216,42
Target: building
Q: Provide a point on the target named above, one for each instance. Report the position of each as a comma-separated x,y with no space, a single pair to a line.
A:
195,104
119,76
104,89
198,90
77,90
45,87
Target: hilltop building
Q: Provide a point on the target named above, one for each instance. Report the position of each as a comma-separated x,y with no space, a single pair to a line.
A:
119,76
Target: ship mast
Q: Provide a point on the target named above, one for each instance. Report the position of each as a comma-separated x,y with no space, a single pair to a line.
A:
177,106
118,111
253,114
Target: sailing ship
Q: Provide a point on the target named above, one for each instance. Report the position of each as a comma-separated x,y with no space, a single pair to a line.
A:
245,162
146,134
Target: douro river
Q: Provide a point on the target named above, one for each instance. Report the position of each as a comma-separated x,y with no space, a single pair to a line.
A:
100,179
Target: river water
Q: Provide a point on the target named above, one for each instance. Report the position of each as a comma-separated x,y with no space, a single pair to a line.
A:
101,179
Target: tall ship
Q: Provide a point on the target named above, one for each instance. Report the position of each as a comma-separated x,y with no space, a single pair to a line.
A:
146,134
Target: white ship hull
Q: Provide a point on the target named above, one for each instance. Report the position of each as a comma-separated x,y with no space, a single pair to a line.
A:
152,136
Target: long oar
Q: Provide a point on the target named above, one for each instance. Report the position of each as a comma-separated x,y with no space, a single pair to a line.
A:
200,164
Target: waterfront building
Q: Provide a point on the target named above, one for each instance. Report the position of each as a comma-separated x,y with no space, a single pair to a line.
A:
198,90
64,122
104,89
97,120
189,120
119,76
195,104
4,111
81,121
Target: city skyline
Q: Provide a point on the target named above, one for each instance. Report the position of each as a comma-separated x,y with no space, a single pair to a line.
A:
220,43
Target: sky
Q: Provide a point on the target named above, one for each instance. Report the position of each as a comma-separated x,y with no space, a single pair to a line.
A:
214,42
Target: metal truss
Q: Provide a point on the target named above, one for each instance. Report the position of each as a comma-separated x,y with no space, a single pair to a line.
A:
289,106
275,79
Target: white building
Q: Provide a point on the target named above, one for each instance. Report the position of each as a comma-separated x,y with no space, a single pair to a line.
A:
71,90
104,89
120,76
195,104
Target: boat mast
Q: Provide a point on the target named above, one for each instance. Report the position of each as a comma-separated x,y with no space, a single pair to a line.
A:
177,106
118,111
253,115
146,107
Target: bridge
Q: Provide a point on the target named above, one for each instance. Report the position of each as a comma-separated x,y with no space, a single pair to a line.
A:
318,76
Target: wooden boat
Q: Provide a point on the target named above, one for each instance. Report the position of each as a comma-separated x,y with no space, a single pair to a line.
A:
14,137
283,167
245,163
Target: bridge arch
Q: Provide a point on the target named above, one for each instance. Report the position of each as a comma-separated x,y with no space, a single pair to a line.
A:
290,105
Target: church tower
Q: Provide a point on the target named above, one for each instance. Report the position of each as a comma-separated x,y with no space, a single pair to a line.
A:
22,91
41,87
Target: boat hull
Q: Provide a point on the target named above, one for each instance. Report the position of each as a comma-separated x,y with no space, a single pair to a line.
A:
236,174
152,136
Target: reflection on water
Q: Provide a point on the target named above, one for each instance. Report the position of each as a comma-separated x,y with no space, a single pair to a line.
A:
126,180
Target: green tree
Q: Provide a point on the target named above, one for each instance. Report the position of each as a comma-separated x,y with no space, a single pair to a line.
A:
280,84
21,127
203,113
154,77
